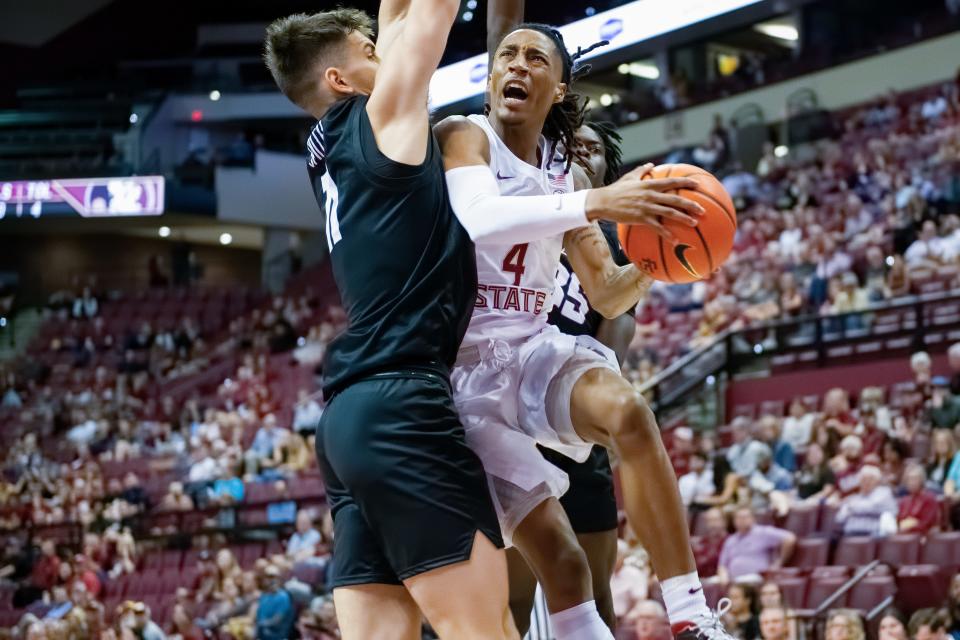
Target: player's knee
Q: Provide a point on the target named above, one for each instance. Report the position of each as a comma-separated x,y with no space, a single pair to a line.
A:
633,423
568,577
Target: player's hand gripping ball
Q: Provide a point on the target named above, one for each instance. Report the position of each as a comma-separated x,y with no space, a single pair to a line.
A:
700,250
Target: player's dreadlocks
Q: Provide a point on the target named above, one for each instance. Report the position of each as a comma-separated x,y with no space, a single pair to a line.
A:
565,117
612,140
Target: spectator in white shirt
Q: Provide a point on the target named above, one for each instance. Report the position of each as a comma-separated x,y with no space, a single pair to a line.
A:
306,414
864,513
698,483
926,249
304,542
746,451
798,426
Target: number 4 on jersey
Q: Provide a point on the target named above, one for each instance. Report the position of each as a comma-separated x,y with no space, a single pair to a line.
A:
513,263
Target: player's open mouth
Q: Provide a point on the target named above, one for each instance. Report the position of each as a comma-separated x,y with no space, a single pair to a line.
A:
514,92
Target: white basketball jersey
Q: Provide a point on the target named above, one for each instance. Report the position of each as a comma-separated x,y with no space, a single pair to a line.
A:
516,281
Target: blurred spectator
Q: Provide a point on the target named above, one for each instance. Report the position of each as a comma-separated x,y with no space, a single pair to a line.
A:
773,623
742,620
753,549
745,451
135,619
944,408
872,511
628,584
275,615
953,605
943,451
922,366
815,481
698,483
681,449
305,541
771,597
707,548
846,466
649,620
919,510
798,426
893,626
768,432
306,413
928,624
769,482
319,621
844,624
259,456
86,306
176,499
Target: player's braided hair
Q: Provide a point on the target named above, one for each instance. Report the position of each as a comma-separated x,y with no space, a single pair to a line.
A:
567,116
612,140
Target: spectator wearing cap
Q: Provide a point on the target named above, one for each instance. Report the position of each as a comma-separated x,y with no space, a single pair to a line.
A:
919,510
944,407
275,616
753,549
865,512
745,451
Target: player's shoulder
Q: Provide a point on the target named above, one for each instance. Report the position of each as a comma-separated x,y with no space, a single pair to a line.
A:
457,126
460,138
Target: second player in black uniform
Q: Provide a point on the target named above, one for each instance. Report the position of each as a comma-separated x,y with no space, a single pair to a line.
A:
589,502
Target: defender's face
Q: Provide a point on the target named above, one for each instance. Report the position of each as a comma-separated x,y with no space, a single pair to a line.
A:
591,155
525,80
359,65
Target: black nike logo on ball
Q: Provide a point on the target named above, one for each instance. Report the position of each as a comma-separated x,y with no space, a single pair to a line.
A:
680,251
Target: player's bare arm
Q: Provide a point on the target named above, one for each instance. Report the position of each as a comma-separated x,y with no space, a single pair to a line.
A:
502,17
611,289
390,19
462,143
398,104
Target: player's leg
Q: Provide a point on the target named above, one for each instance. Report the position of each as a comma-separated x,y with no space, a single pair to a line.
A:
397,616
601,550
606,409
461,600
422,514
523,589
548,544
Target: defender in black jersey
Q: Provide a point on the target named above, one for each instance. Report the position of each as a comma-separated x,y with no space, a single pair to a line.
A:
415,528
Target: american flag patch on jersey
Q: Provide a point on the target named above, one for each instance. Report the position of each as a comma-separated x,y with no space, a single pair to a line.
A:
558,181
316,148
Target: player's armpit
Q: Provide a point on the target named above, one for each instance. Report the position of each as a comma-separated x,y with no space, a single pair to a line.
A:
612,290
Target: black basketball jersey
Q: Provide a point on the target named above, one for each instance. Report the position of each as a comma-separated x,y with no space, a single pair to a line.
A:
572,313
404,266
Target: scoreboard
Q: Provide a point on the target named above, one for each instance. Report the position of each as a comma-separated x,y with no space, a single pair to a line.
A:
84,197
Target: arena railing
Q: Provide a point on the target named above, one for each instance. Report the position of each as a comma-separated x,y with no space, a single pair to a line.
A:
811,619
813,337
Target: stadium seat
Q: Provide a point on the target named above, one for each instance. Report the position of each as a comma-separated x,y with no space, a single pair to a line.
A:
828,519
920,586
794,591
942,549
855,551
870,592
803,520
811,552
822,588
899,550
831,571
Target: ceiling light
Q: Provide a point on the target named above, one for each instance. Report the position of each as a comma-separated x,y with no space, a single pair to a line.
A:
164,232
467,16
134,118
781,151
779,31
606,99
644,70
214,95
624,68
225,238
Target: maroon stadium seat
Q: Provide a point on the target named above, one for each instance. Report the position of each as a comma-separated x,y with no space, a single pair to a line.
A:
855,551
921,586
831,571
811,552
870,592
828,519
822,588
794,591
899,550
942,549
802,521
713,592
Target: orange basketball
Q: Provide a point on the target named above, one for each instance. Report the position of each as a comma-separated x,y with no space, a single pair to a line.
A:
701,249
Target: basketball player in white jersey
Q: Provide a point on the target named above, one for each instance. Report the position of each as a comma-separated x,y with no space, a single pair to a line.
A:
519,382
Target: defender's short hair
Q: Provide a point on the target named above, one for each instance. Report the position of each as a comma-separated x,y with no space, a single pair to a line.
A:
295,44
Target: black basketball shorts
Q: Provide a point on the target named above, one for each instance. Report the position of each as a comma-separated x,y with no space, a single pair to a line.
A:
590,502
406,493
